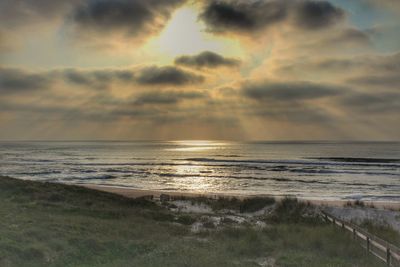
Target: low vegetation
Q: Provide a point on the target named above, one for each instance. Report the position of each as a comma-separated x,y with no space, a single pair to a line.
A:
356,203
46,224
383,231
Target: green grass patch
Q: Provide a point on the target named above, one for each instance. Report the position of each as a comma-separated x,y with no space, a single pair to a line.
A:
46,224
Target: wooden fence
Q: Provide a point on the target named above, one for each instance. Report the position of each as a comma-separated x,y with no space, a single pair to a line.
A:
380,248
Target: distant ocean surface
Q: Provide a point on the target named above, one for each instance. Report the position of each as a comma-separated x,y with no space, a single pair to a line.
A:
327,170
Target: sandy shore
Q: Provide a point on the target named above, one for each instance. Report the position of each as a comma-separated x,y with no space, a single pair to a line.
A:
134,193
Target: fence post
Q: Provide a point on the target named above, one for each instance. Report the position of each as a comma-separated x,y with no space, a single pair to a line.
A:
354,233
367,244
388,256
343,225
334,221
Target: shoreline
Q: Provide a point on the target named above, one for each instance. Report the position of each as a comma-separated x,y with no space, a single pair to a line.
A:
135,193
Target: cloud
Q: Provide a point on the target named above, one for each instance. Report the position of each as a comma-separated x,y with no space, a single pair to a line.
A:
20,13
392,5
317,14
167,75
207,59
348,37
251,16
96,78
288,91
362,70
150,75
298,113
221,16
281,108
391,81
16,81
128,17
167,98
99,24
5,46
372,103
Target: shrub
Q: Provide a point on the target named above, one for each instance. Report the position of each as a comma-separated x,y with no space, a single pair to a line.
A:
186,220
255,204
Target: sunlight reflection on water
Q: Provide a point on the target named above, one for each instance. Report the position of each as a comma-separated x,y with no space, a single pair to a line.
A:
189,177
195,145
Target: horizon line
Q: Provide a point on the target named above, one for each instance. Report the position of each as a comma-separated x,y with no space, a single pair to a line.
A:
205,140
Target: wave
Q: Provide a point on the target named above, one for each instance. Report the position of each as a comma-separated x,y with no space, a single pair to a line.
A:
308,171
277,179
95,177
352,159
371,197
39,173
293,162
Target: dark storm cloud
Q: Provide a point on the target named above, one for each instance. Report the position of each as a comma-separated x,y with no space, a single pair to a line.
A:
152,75
317,14
18,80
242,16
15,81
79,78
290,91
167,75
96,78
166,98
251,16
131,17
206,59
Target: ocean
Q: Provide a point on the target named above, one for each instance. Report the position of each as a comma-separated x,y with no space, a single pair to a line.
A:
312,170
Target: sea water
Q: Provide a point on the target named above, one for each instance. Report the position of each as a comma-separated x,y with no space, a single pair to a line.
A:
313,170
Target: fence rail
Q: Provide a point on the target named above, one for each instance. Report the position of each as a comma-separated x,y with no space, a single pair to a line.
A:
378,247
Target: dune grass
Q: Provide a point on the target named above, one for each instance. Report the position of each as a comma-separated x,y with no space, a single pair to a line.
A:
46,224
384,231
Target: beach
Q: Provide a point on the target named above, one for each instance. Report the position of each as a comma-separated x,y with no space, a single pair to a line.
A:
67,225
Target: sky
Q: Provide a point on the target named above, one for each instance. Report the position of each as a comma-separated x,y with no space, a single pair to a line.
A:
176,69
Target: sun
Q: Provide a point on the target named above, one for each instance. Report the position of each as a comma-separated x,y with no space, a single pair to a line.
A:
185,34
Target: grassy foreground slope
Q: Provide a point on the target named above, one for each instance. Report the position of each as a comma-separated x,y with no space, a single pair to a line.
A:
46,224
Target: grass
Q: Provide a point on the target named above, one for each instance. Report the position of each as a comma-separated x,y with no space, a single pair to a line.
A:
46,224
384,231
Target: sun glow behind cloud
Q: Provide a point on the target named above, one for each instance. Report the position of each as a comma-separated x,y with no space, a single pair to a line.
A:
185,34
